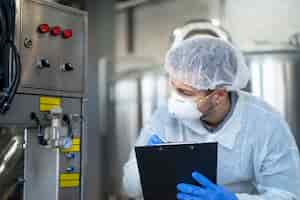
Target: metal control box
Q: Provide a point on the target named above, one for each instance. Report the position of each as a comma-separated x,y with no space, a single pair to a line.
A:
53,43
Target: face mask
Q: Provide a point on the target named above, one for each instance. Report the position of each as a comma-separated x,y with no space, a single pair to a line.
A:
183,108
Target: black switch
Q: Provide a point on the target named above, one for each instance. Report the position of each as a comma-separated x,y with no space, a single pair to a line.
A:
44,63
67,67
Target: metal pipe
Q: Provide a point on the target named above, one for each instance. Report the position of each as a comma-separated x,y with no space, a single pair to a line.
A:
130,30
129,4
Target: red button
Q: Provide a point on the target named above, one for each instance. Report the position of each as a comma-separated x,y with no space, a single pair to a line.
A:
68,33
44,28
56,30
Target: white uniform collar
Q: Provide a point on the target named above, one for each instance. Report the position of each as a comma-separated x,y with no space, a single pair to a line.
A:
227,135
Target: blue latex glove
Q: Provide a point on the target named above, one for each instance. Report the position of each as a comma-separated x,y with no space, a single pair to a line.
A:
155,140
209,191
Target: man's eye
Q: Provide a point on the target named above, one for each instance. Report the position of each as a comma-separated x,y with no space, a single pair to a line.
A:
185,93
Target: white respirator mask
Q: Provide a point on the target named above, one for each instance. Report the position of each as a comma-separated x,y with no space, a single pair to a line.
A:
183,107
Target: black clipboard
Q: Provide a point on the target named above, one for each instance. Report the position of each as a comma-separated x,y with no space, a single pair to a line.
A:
162,167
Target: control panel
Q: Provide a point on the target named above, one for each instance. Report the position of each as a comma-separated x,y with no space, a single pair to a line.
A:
52,41
53,46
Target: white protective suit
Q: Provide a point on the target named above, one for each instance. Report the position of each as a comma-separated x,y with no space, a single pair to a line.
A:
257,154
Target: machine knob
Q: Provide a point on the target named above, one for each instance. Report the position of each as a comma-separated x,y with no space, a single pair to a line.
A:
70,155
44,63
70,169
56,31
67,67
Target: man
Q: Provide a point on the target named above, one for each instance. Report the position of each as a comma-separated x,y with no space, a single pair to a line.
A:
257,154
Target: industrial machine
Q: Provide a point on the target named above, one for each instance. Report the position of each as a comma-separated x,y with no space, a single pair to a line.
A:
42,121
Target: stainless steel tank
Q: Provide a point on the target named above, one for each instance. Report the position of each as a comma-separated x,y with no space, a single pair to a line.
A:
275,78
11,163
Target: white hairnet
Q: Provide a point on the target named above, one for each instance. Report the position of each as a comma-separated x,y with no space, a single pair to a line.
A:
207,63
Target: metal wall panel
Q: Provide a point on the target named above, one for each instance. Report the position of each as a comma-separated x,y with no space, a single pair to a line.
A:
41,170
100,70
137,96
42,166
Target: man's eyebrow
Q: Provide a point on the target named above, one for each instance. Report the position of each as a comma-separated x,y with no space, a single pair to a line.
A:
185,90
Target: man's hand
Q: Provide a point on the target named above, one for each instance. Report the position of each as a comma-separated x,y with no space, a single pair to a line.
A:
208,191
155,140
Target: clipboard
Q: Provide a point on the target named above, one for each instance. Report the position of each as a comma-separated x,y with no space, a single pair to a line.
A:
162,167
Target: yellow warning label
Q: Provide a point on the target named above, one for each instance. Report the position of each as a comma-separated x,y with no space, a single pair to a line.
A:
72,183
65,177
74,148
49,103
45,107
76,141
50,100
70,180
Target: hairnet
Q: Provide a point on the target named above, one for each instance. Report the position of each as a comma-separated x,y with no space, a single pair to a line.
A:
205,62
